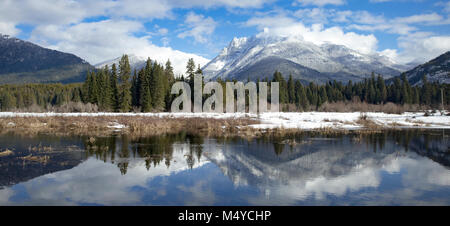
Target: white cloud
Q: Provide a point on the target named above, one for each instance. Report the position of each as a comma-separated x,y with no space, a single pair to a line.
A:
148,9
321,2
401,29
69,11
315,15
99,41
220,3
317,34
8,29
62,25
107,185
365,17
50,11
445,6
366,21
421,18
422,47
199,27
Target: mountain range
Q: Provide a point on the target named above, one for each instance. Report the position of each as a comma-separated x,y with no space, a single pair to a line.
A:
257,57
245,58
25,62
436,70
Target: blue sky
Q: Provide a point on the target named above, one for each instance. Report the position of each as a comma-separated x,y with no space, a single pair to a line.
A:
415,30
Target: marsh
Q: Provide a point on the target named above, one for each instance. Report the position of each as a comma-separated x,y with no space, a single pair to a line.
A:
393,167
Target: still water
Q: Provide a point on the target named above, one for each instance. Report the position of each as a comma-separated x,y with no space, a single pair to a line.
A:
406,167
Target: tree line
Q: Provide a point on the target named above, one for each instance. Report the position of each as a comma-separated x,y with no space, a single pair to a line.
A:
373,90
118,89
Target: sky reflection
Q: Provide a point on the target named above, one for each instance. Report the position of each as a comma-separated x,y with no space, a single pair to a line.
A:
237,172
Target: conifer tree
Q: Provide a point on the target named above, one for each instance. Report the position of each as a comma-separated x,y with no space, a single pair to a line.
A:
134,89
157,87
190,71
7,101
93,89
145,99
125,85
323,96
114,98
406,98
301,98
168,82
107,93
291,89
85,88
382,89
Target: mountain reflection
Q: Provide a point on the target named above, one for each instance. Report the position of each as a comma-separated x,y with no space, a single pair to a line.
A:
393,167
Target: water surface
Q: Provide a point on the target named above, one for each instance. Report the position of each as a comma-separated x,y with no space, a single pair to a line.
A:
407,167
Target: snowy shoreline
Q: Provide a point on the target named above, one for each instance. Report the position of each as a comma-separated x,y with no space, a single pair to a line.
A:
303,121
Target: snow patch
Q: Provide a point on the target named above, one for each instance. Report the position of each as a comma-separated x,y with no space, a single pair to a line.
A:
303,120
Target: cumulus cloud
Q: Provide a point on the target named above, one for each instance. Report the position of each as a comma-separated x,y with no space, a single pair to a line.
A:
50,11
148,9
98,41
316,33
219,3
314,15
199,27
321,2
66,12
422,47
63,25
8,29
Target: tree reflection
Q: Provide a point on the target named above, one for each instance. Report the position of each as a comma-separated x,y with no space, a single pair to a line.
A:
69,151
154,150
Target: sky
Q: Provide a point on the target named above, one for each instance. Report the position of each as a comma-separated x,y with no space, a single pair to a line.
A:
404,30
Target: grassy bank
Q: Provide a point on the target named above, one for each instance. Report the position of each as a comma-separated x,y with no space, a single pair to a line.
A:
216,125
138,126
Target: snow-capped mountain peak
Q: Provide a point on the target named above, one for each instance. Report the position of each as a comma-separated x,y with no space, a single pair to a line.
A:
260,56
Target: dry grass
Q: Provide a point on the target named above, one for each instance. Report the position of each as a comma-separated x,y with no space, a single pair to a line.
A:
357,106
367,123
140,126
41,159
5,153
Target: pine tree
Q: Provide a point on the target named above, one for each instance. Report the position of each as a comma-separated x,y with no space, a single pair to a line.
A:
114,98
397,96
291,89
406,98
190,71
7,101
381,86
85,88
93,89
168,82
301,98
125,85
157,87
323,96
107,101
145,99
134,89
284,96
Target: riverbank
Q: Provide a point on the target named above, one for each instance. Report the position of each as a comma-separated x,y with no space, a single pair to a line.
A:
217,124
